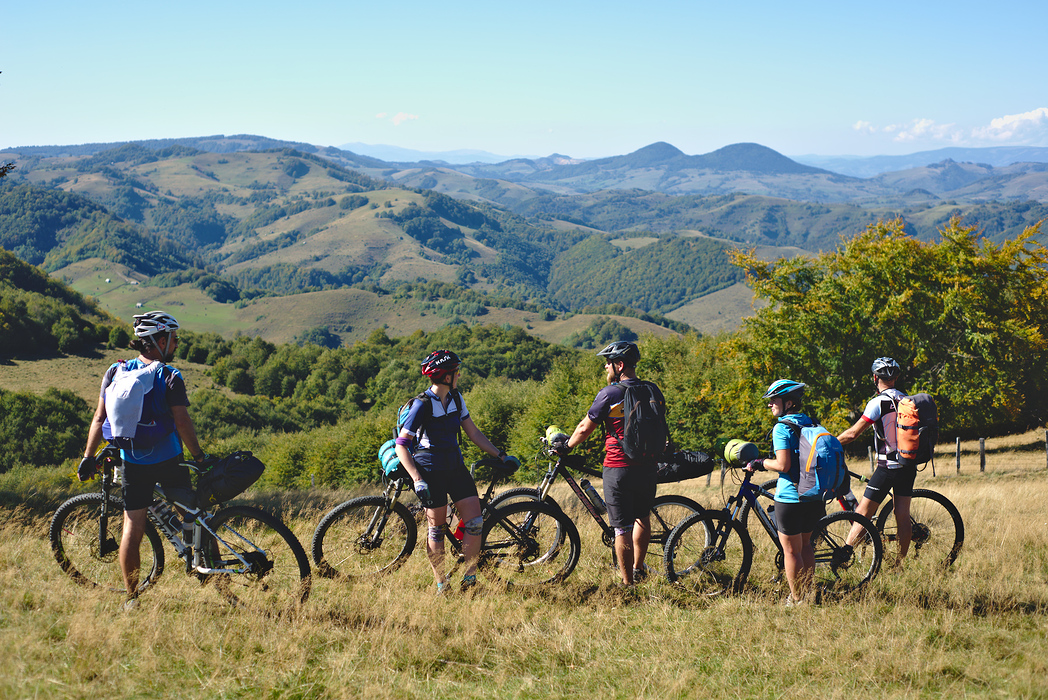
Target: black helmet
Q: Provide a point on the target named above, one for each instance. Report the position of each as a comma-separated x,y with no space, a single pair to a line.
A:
440,365
886,368
621,351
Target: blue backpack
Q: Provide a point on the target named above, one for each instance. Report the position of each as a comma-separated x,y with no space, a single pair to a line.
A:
821,461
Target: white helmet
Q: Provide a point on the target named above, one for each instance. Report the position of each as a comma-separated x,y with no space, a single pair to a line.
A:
154,322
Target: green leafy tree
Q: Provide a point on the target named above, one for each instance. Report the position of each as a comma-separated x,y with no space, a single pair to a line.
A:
41,430
966,318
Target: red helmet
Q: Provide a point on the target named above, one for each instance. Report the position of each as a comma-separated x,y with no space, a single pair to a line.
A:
440,366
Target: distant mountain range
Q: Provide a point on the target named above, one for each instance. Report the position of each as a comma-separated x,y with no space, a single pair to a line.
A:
871,166
396,154
971,175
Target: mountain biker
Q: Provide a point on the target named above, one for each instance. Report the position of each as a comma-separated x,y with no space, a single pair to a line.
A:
437,467
629,488
889,475
794,519
156,338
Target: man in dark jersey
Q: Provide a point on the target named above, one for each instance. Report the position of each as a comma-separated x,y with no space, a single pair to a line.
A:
159,461
629,487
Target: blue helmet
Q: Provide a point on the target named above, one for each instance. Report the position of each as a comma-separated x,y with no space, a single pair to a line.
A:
886,368
786,388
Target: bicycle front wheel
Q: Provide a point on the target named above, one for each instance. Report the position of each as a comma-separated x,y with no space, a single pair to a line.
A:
529,543
708,568
937,531
89,552
842,568
364,537
260,563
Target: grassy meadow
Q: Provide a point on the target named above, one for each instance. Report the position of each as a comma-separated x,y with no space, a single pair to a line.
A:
977,630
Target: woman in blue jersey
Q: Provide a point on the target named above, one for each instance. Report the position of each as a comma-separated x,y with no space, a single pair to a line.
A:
795,518
436,465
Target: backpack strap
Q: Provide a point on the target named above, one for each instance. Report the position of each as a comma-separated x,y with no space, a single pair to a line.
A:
426,400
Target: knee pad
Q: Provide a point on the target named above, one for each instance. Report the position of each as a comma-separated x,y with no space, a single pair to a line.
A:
620,531
474,526
436,534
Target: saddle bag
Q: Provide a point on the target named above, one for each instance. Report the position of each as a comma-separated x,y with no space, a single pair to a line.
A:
229,478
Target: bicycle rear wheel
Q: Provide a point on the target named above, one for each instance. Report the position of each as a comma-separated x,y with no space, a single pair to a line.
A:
264,567
529,543
364,537
667,512
708,569
841,568
937,529
90,555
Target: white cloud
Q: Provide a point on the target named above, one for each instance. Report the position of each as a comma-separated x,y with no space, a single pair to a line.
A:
402,117
927,130
381,115
1027,128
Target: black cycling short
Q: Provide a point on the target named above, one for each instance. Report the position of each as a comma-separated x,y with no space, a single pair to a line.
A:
450,480
629,493
139,480
798,518
899,481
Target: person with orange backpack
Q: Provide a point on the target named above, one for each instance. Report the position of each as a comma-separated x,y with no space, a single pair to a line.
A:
882,413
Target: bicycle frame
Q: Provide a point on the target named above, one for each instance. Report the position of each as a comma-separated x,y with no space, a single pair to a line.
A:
201,520
560,467
748,493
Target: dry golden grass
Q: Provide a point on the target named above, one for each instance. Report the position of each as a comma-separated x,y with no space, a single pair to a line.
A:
976,630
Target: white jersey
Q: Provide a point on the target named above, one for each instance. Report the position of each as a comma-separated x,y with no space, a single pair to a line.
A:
880,411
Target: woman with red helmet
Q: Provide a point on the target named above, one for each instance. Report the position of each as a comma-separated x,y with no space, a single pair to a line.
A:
428,448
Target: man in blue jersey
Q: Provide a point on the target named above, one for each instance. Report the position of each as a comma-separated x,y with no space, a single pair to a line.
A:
157,459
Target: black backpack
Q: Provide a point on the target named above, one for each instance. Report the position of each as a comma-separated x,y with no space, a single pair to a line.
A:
644,430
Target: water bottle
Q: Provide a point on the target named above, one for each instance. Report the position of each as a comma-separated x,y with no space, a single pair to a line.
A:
594,497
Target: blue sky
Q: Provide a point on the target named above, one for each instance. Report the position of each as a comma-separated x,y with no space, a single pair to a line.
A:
585,79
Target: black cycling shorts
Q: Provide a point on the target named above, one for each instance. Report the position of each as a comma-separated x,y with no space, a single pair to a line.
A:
899,481
450,480
629,493
798,518
140,479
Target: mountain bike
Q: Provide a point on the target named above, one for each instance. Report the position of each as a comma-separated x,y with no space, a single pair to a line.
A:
252,558
710,553
522,543
937,529
666,512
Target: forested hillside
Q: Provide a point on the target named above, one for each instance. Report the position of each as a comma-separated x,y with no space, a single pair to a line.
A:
966,318
660,276
41,315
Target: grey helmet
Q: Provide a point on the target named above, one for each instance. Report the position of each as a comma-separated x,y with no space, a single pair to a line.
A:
886,368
